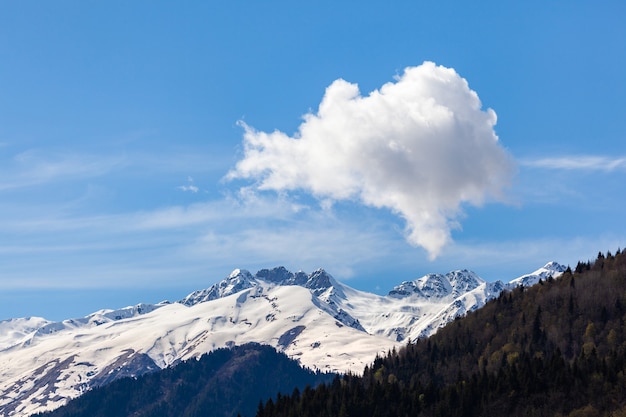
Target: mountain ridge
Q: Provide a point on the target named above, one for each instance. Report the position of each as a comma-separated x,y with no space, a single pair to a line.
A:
313,318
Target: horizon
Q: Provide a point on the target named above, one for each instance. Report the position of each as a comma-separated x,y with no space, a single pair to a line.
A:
147,150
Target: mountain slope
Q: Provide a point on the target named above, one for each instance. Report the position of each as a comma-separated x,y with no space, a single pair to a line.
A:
557,348
551,269
225,381
49,368
312,318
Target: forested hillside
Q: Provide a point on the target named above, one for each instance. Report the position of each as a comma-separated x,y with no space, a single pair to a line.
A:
555,349
224,382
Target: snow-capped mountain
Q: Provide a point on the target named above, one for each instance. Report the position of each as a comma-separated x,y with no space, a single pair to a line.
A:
17,329
313,318
551,269
438,286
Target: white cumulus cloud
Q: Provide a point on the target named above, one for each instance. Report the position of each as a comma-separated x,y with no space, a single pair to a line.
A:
420,146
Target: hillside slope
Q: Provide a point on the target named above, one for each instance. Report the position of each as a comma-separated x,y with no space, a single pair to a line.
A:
223,383
557,348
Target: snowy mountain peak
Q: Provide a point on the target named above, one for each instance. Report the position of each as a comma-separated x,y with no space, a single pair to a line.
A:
281,276
239,274
429,286
238,280
434,285
320,281
554,266
463,281
276,275
551,269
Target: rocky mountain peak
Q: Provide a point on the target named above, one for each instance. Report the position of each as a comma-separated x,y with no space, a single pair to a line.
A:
281,276
319,281
238,280
438,285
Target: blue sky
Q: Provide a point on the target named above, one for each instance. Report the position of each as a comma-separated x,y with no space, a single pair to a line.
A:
148,148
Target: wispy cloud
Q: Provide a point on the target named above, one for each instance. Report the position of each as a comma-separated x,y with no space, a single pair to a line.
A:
189,187
35,167
198,241
239,208
578,162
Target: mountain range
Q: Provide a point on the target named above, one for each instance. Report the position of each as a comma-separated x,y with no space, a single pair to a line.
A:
323,324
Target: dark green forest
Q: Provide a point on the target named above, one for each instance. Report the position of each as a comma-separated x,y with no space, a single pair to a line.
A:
224,382
555,349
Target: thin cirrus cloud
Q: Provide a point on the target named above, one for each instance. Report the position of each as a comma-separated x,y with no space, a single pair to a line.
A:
420,146
584,163
35,167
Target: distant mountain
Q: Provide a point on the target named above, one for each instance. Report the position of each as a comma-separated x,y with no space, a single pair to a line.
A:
438,286
223,383
312,318
551,269
557,348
